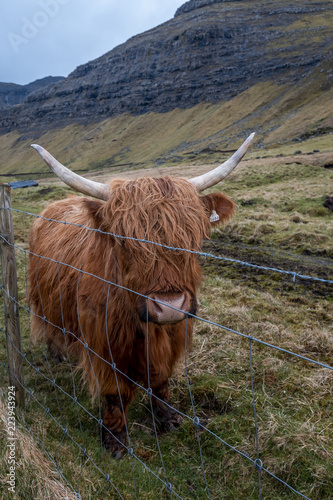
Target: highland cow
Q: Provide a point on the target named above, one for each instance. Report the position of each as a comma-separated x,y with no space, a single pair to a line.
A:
102,294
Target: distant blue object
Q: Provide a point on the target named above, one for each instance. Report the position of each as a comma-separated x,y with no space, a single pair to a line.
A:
22,184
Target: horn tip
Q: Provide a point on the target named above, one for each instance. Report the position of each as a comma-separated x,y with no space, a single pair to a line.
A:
36,147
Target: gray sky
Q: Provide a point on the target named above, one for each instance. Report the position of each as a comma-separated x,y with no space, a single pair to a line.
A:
52,37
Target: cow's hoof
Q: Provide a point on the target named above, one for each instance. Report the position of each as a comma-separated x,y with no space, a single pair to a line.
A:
115,443
168,421
56,354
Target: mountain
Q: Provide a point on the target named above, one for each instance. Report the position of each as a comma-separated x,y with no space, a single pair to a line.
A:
12,94
239,65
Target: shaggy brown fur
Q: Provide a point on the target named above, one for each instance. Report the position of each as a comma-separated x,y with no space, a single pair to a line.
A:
104,316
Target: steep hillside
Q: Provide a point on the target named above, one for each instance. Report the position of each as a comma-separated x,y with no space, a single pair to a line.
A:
202,134
210,51
187,90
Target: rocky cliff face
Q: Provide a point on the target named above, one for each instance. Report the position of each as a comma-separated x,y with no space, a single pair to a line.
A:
198,4
210,51
12,94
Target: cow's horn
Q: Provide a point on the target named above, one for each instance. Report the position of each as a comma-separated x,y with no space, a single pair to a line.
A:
75,181
211,178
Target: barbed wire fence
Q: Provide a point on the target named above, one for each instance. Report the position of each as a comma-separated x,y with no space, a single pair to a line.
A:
43,376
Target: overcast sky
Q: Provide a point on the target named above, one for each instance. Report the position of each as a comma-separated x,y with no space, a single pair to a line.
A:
52,37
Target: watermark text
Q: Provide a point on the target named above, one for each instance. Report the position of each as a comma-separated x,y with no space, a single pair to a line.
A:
11,441
31,26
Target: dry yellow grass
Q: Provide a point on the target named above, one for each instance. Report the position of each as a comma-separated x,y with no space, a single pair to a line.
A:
36,476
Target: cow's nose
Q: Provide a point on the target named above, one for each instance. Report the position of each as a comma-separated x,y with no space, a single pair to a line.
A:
168,308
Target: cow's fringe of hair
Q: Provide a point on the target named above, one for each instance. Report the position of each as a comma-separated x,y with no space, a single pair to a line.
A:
145,208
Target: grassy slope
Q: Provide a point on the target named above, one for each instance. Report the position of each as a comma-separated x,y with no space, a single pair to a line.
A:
277,113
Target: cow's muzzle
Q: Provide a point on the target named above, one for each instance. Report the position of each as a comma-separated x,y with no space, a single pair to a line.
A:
166,308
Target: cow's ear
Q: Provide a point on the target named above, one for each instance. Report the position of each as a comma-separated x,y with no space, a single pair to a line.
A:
219,207
95,218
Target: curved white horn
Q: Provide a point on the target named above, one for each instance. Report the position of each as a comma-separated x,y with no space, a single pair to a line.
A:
75,181
211,178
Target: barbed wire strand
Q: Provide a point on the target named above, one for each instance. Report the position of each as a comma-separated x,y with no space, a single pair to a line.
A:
71,372
29,320
293,274
44,342
196,420
151,394
258,462
118,389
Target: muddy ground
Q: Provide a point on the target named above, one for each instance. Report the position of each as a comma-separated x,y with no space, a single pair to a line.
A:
270,280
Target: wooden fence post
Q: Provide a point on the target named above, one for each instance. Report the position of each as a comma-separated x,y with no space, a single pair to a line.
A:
10,295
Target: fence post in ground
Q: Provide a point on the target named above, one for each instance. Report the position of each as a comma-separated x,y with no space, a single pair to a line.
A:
10,295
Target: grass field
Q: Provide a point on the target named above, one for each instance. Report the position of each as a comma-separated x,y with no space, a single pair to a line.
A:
280,223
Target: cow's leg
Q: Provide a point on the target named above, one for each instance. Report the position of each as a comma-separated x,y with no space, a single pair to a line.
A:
166,418
114,419
56,352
